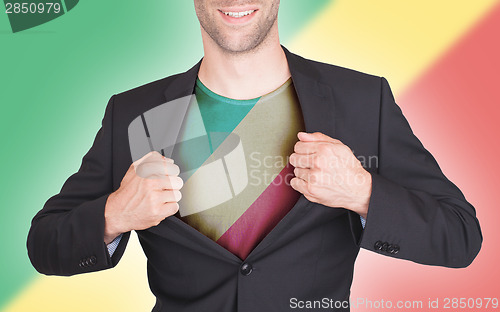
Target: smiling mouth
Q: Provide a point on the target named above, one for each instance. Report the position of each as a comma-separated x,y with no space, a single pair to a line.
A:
238,14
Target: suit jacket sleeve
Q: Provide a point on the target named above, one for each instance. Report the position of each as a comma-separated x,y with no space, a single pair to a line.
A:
414,209
67,236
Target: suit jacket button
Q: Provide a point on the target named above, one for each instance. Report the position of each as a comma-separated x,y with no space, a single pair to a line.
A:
246,269
390,249
93,260
378,245
384,246
396,249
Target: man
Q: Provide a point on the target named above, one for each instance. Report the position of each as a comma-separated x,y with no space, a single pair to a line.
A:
267,245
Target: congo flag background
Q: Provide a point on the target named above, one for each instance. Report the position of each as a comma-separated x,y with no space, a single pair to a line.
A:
440,57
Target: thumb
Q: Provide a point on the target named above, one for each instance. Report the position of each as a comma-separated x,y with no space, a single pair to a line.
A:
316,137
151,157
151,154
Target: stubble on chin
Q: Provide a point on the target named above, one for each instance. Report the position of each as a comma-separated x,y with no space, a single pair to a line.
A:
248,44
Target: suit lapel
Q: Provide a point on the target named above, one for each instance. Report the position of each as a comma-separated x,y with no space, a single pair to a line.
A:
183,84
316,99
318,110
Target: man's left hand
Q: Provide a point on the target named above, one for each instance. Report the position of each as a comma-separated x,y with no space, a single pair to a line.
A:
327,172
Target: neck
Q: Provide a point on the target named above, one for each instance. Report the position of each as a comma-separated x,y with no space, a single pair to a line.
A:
244,75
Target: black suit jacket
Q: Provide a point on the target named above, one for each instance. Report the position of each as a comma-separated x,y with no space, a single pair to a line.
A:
415,212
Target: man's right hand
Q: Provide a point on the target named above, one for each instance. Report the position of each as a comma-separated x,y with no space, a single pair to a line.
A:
148,193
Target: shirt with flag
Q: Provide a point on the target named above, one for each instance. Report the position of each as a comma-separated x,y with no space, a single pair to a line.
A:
252,140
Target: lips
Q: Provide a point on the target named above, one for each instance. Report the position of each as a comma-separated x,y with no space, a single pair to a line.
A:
237,15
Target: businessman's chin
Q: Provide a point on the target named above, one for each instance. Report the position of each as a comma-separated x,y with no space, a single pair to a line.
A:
241,34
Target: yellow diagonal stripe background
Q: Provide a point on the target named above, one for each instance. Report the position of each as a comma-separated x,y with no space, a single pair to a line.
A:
391,38
123,288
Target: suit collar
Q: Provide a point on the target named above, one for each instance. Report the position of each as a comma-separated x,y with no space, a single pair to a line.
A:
315,96
183,84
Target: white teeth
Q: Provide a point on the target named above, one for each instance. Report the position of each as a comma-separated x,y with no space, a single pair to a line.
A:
239,14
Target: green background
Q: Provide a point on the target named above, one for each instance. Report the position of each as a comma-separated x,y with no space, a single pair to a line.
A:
55,82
